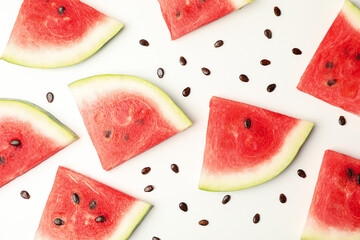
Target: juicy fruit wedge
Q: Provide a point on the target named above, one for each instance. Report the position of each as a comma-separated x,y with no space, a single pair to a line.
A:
335,208
81,208
57,33
29,135
333,74
125,115
248,145
184,16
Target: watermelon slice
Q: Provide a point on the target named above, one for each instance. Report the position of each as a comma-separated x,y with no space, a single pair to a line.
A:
184,16
333,74
57,33
125,116
29,135
248,145
80,208
335,209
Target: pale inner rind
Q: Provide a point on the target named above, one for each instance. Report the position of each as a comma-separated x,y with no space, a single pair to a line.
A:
352,13
240,3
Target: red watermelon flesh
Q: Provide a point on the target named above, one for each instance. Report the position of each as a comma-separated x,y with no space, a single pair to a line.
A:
184,16
120,213
333,74
237,156
335,209
29,135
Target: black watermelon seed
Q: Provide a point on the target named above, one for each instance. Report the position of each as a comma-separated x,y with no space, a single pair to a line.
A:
76,198
204,222
155,238
58,222
174,168
140,122
243,78
271,87
107,133
256,218
268,33
218,43
301,173
296,51
265,62
144,43
182,61
277,11
61,10
2,160
205,71
178,13
15,142
358,179
183,206
350,172
126,137
342,120
24,194
282,198
226,199
50,97
329,65
160,72
100,219
186,92
93,204
247,123
357,56
145,170
149,188
331,82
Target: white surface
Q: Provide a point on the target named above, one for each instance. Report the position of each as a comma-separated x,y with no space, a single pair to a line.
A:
303,24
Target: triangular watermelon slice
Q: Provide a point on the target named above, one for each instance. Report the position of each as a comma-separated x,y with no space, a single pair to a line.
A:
335,209
184,16
125,116
80,208
28,136
57,33
333,74
248,145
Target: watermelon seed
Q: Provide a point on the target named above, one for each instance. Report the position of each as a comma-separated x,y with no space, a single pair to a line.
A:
358,56
329,65
226,199
301,173
100,219
149,188
243,78
107,133
25,194
331,82
126,136
256,218
2,160
92,204
61,10
155,238
218,43
271,87
182,61
342,120
145,170
50,97
174,168
277,11
350,172
296,51
358,179
282,198
205,71
186,92
268,33
144,43
178,13
160,72
140,122
76,198
265,62
203,222
183,206
58,222
247,123
15,142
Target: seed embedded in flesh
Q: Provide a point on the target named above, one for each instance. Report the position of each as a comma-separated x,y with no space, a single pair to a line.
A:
277,11
61,10
268,33
126,137
50,97
145,170
160,72
178,13
301,173
140,122
205,71
358,179
243,78
93,204
271,87
15,143
265,62
218,43
76,198
100,219
282,198
149,188
342,120
256,218
204,222
175,168
331,82
2,160
350,172
247,123
58,222
183,206
144,43
24,194
296,51
107,133
226,199
182,61
329,65
186,92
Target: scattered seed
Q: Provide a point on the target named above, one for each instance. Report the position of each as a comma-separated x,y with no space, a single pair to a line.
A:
350,172
243,78
174,168
282,198
331,82
140,122
183,61
296,51
15,142
265,62
100,219
357,56
58,222
342,120
178,13
183,206
61,10
256,218
2,160
329,65
218,43
50,97
268,33
126,137
277,11
145,170
144,43
186,92
358,179
93,204
203,222
155,238
24,194
160,72
247,123
205,71
76,198
301,173
271,87
226,199
149,188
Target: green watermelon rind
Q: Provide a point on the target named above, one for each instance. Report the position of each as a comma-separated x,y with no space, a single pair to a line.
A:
39,113
352,13
96,83
96,40
240,180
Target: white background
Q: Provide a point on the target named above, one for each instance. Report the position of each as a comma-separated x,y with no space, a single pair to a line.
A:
303,24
